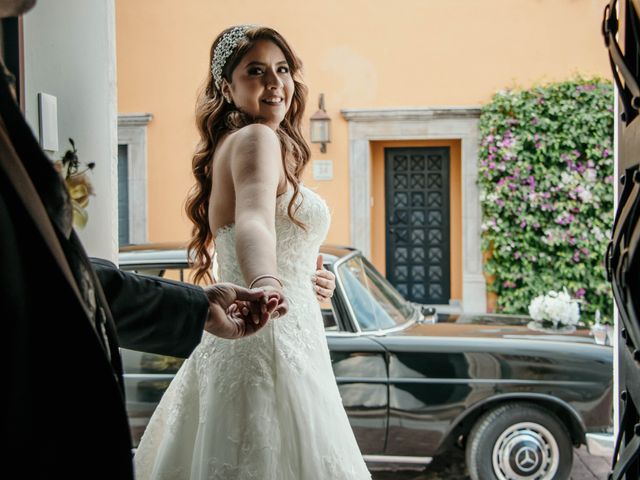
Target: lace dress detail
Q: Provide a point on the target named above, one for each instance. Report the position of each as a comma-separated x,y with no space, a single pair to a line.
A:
266,407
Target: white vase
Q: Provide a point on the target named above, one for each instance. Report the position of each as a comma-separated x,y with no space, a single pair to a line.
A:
611,333
599,333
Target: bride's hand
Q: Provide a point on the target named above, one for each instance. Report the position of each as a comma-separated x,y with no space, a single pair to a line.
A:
277,305
324,282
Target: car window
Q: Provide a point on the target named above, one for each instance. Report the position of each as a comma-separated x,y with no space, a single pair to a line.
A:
376,304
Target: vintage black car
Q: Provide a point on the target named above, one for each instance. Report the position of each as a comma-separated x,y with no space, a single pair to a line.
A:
417,382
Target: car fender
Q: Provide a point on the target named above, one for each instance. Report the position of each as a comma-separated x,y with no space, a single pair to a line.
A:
577,427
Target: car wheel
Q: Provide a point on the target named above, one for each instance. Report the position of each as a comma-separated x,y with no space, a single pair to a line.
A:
519,442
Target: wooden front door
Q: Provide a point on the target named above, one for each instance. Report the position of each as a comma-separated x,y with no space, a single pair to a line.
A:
417,222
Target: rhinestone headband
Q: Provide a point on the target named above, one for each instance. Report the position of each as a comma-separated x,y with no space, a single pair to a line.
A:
224,49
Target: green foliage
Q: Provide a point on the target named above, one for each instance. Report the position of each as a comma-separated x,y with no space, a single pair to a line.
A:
546,191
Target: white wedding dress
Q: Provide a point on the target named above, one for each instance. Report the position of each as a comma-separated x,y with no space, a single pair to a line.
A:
266,407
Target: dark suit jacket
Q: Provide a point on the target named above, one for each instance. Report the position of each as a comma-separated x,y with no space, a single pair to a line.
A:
62,404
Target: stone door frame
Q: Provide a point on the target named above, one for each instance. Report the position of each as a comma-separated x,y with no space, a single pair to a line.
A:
441,123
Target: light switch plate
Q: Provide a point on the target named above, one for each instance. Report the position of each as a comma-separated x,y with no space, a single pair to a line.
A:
323,169
48,121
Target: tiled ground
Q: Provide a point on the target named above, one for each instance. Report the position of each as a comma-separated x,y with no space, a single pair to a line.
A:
585,467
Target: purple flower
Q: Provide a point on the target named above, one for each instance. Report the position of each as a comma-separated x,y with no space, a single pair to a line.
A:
500,182
491,156
535,121
517,255
513,186
580,293
492,165
506,143
605,153
564,219
486,140
523,223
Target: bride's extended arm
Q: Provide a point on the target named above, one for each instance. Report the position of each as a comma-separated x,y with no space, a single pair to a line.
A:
256,169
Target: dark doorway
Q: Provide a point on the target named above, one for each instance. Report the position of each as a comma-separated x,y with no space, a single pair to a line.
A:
11,49
417,222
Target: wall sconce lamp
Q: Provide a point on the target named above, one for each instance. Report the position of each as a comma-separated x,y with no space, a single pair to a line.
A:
320,123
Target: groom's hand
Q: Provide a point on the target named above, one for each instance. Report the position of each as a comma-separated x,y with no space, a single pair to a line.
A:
236,312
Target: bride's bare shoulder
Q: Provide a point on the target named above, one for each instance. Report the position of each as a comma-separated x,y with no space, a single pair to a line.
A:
252,136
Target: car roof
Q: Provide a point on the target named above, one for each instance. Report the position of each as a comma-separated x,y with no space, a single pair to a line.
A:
174,254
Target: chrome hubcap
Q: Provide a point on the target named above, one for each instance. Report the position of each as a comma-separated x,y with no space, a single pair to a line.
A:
525,451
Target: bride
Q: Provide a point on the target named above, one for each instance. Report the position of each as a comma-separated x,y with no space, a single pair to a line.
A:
266,407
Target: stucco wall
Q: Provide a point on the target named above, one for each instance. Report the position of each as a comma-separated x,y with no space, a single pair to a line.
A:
360,54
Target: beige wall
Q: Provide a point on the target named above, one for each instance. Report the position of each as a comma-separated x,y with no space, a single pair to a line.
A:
360,53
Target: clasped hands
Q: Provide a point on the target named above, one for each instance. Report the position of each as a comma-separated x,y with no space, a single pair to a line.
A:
237,312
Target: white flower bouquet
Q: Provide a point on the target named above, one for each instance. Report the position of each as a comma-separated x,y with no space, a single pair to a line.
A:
555,309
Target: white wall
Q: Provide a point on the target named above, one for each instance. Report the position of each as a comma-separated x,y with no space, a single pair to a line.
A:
70,53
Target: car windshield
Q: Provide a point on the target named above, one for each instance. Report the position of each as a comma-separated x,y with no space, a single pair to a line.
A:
376,304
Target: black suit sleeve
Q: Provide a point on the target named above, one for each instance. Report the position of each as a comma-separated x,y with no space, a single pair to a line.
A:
153,314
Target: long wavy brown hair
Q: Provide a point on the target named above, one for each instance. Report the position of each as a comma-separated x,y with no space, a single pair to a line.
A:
215,118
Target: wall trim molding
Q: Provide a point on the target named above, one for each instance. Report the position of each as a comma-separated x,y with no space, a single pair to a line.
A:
134,119
407,113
